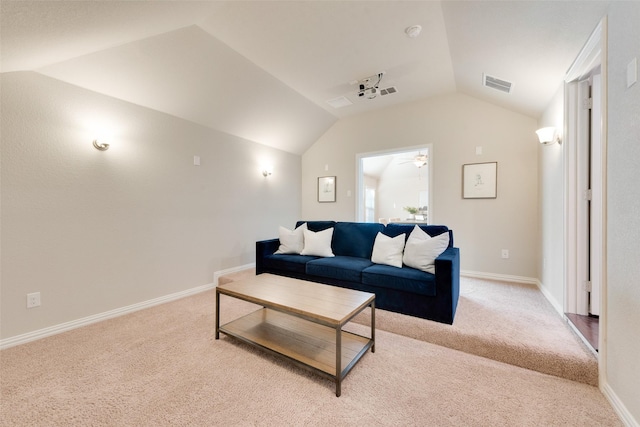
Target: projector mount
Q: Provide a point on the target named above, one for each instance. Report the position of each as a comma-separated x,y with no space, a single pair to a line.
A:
369,86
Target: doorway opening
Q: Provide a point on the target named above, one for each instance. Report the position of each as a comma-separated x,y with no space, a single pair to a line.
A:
394,185
585,169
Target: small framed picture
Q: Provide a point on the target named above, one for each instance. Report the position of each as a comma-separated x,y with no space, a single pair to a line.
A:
480,180
326,189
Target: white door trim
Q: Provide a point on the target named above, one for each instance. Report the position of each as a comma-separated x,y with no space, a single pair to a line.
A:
571,241
593,55
597,202
583,171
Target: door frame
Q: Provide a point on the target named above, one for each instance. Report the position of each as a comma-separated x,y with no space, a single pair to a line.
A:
592,56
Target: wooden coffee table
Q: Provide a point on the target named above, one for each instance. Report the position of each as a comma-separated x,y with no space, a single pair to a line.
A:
301,321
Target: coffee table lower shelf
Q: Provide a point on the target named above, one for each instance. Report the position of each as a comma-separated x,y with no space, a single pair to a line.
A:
306,343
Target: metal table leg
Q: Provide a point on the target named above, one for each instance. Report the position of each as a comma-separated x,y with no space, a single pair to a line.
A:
373,326
217,314
338,360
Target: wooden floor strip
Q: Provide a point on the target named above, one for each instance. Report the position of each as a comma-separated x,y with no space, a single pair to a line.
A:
588,326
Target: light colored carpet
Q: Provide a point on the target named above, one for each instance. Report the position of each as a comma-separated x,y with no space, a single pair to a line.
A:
509,322
162,366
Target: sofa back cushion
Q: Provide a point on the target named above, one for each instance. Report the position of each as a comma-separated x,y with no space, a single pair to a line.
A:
355,239
393,230
317,225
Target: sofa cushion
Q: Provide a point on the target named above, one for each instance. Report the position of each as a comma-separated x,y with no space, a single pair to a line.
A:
287,262
404,279
355,239
339,267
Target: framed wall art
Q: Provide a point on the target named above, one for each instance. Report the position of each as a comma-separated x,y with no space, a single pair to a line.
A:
480,180
326,189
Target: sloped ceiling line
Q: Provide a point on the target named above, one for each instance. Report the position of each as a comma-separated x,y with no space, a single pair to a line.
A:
263,70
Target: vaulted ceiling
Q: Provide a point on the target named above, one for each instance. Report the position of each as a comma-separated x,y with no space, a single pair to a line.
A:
264,70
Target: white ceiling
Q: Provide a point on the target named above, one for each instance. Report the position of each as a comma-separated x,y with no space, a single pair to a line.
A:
263,70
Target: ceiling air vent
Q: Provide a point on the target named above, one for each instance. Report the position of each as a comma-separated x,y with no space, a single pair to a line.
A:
339,102
388,91
496,83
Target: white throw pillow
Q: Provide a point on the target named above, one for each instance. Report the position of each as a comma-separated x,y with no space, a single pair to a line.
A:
388,250
419,233
291,241
318,244
421,253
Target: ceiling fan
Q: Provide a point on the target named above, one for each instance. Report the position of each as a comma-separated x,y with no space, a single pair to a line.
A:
419,160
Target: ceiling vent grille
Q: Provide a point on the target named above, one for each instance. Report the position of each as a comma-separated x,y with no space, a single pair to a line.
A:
496,83
388,91
339,102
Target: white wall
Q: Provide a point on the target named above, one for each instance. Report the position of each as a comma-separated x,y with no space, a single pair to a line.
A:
551,185
95,231
455,124
623,208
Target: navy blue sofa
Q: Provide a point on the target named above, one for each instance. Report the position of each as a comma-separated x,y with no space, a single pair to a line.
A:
403,290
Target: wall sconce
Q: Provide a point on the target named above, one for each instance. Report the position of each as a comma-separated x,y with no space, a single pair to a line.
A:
267,171
548,136
101,147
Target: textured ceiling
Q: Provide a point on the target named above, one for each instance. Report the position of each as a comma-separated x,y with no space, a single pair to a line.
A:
264,70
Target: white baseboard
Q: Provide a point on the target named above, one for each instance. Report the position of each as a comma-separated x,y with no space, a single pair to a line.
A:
217,274
618,406
67,326
555,303
558,307
499,277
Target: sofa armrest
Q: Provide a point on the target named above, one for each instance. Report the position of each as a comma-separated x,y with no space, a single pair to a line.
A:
448,277
264,248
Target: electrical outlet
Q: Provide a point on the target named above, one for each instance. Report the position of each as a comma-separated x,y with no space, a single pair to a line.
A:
505,254
33,300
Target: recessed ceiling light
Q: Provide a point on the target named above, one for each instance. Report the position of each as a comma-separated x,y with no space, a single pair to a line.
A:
413,31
